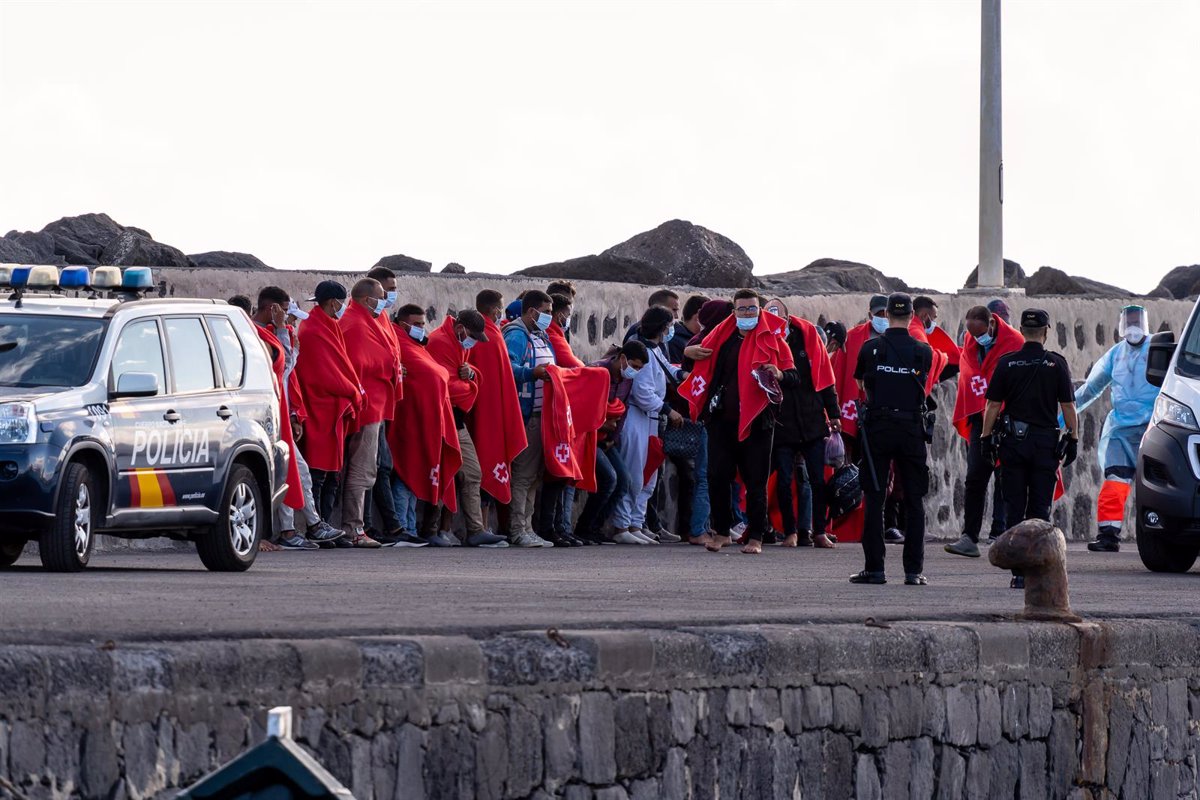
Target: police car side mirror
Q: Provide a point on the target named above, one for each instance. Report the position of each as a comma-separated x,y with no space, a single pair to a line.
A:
1158,359
136,384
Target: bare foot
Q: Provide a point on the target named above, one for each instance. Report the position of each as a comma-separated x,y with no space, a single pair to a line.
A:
791,540
702,539
716,543
752,547
823,541
265,546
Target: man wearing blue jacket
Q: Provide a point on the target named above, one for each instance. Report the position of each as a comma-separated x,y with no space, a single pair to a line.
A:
530,352
1124,368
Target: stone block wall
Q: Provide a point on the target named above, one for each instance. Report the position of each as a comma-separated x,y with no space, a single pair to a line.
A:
914,710
1083,329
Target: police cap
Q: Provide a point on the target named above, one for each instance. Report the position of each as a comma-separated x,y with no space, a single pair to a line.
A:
878,303
899,304
1035,318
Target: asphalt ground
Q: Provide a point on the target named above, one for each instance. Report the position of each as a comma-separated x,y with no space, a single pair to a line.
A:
131,596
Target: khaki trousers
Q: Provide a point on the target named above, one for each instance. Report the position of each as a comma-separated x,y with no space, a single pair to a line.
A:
469,499
362,464
527,469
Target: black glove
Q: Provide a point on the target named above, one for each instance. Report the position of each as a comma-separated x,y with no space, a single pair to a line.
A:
988,448
1070,451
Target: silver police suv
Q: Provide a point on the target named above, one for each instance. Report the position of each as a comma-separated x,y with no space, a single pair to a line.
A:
132,417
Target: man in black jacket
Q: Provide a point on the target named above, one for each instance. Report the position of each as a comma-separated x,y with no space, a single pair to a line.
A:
805,419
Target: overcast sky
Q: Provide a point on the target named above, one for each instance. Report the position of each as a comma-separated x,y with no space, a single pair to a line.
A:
505,134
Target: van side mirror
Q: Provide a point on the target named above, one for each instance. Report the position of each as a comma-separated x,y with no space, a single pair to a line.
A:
136,384
1162,350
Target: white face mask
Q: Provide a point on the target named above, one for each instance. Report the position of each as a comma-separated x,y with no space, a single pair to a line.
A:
1134,334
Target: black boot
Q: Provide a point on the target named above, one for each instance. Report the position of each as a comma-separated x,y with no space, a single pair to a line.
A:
1107,541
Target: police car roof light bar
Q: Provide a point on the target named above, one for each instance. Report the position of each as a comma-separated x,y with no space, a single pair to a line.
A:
106,278
19,277
5,275
42,277
138,278
75,278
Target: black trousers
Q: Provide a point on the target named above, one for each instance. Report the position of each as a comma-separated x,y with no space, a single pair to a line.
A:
979,472
1029,473
900,443
728,458
325,485
797,465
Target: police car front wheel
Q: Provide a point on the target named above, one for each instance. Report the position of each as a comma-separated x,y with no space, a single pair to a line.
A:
233,544
66,545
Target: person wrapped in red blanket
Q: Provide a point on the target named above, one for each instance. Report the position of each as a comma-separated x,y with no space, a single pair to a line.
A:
925,311
333,394
559,325
450,346
987,339
729,390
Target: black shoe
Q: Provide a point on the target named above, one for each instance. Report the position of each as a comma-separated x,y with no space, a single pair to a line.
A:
1017,582
558,542
1104,546
804,539
893,536
574,541
868,577
343,543
915,580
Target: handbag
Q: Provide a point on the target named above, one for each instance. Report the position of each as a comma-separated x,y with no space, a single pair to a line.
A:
682,442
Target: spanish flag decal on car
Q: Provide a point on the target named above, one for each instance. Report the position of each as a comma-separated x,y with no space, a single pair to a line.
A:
150,488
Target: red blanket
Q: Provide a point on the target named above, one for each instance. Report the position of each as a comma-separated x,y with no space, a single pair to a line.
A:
942,342
761,346
845,362
497,426
448,352
574,405
332,393
916,329
390,333
295,493
973,377
819,364
423,439
376,360
564,356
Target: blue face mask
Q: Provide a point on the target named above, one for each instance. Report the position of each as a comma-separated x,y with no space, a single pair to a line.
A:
879,324
417,333
747,323
930,327
389,301
468,343
669,335
341,310
985,340
544,320
629,373
377,306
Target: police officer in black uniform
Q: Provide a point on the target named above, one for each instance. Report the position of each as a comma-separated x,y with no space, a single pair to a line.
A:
891,370
1027,391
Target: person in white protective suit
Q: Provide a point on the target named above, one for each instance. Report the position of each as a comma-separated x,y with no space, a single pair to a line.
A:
1124,368
647,402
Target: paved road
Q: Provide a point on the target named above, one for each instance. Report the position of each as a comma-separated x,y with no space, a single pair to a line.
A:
130,596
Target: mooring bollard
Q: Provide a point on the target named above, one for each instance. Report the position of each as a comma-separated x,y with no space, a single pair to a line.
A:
1039,551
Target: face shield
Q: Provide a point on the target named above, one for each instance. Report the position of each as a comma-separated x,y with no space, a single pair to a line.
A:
1134,325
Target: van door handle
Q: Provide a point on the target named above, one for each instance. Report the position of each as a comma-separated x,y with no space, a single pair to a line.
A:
172,416
224,413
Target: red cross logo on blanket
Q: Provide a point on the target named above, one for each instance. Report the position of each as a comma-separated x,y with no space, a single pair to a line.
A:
979,385
433,475
562,452
698,386
500,472
850,410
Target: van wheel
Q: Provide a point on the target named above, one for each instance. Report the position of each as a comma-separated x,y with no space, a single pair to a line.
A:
1159,554
66,546
233,544
10,552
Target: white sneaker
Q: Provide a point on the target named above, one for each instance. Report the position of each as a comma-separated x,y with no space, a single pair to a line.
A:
529,539
626,537
646,536
737,530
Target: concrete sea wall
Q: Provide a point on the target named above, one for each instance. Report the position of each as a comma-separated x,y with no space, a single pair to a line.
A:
1082,330
914,710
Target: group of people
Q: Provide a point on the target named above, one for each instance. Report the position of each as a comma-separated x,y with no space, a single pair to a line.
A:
397,422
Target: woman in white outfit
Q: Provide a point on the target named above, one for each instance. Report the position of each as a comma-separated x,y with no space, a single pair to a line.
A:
647,401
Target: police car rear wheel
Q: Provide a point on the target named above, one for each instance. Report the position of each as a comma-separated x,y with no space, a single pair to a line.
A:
66,546
1159,554
233,544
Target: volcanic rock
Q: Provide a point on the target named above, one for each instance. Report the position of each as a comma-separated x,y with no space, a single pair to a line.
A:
223,259
12,252
39,245
454,268
1180,283
599,268
1014,276
402,263
1051,281
833,276
688,255
134,250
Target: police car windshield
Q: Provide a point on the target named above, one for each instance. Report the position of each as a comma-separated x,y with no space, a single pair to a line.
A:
49,351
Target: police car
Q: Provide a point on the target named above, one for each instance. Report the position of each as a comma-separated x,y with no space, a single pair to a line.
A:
131,417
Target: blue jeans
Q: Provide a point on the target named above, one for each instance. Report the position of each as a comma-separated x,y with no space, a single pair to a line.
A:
698,524
611,482
735,496
406,504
